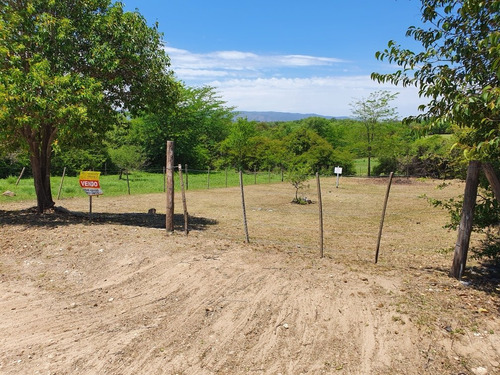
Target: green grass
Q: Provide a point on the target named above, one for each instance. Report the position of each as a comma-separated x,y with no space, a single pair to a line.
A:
361,166
138,183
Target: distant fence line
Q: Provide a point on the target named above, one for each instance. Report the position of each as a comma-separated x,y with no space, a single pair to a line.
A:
153,180
16,171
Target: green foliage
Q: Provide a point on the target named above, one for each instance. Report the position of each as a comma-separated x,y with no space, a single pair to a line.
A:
238,149
268,153
458,69
11,163
127,157
490,247
431,157
297,176
376,108
486,221
386,165
370,111
77,159
67,68
197,125
306,148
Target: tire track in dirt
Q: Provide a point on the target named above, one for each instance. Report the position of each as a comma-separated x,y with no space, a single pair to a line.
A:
209,313
115,300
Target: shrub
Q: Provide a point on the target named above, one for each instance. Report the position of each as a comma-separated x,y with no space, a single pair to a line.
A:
386,165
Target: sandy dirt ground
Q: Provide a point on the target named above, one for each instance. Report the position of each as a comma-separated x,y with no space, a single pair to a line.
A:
121,296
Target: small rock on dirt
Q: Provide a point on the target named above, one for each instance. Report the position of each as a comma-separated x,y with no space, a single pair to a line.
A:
480,371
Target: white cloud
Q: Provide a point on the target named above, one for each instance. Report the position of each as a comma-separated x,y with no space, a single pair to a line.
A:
320,95
242,62
288,83
303,60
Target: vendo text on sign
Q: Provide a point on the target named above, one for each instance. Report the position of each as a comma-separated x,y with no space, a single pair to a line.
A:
89,184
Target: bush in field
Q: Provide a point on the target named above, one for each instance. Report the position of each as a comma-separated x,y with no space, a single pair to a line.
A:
76,160
12,164
127,157
297,176
308,149
386,165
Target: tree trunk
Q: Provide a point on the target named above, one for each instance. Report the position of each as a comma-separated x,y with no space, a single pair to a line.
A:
40,166
465,228
40,141
492,179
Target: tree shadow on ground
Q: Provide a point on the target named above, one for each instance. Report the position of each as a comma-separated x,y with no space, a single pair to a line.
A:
484,278
61,217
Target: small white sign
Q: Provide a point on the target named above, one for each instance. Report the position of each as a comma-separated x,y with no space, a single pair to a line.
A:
338,170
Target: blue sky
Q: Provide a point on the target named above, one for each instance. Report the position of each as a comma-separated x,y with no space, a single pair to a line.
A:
311,56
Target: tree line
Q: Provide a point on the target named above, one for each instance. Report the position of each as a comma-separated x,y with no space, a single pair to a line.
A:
208,134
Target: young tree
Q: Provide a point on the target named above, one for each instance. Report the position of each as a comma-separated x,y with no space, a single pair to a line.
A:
297,175
127,157
459,71
67,68
372,110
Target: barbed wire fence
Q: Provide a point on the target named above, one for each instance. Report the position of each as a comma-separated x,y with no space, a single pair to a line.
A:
292,232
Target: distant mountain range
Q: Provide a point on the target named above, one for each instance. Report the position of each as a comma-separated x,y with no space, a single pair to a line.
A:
277,116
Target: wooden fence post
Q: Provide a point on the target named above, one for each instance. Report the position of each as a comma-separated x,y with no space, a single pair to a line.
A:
184,205
247,238
383,216
320,207
61,184
466,219
169,218
128,182
21,175
186,173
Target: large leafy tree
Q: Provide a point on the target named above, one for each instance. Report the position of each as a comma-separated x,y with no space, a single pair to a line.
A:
306,148
197,124
67,68
237,149
458,70
371,111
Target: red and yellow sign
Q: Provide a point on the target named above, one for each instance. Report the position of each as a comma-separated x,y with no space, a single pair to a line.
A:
89,182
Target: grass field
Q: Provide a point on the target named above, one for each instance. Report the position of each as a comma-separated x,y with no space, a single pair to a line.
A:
138,183
145,183
361,166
